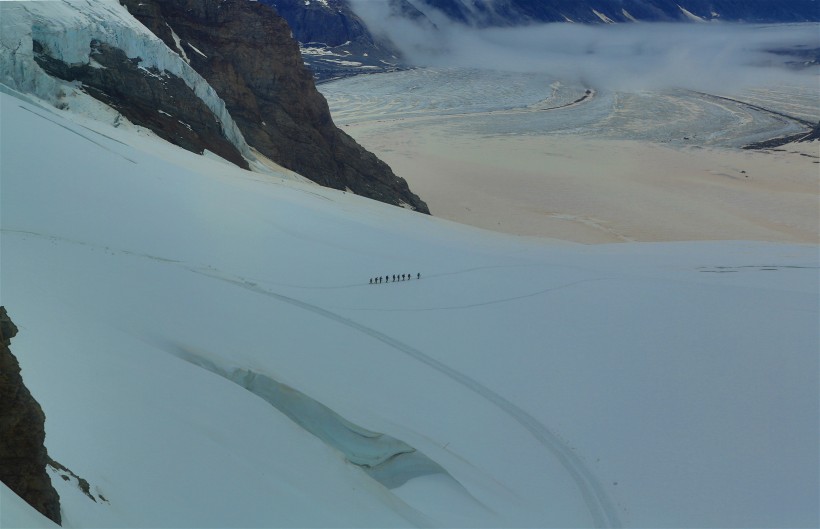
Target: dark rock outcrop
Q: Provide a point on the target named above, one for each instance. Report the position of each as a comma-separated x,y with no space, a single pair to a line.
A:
156,100
246,52
23,455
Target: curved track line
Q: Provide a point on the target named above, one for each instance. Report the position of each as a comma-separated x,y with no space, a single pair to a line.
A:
600,507
598,503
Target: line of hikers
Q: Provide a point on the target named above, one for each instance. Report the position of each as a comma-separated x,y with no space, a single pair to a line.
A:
396,277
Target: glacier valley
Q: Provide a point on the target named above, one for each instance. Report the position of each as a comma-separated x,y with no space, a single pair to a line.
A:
210,349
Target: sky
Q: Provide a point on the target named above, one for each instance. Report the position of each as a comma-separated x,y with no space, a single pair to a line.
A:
638,56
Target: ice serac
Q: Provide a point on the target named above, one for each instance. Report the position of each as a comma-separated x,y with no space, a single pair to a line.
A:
23,456
99,49
247,53
149,97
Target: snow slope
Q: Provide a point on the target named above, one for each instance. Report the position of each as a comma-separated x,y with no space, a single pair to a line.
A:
549,384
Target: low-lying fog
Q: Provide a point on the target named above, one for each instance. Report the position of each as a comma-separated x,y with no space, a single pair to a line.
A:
701,56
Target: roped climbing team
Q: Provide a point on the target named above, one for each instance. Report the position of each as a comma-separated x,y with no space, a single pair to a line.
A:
395,277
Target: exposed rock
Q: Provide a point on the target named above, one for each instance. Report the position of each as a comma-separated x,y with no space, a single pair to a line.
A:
68,475
23,455
246,51
148,97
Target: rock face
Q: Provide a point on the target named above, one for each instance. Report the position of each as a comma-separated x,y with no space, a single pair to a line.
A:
148,97
246,52
23,455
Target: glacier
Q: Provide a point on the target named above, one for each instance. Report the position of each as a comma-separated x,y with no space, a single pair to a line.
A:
159,294
556,384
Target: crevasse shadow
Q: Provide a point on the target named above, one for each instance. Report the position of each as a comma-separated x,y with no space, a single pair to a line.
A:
388,460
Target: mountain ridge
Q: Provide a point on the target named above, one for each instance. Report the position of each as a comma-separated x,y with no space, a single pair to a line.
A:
515,12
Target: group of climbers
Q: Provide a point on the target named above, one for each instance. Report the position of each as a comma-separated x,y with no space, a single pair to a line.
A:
394,278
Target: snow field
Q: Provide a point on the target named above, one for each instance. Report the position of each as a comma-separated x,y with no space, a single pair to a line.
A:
559,385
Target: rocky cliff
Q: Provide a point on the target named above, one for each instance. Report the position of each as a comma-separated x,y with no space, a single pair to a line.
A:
247,53
23,455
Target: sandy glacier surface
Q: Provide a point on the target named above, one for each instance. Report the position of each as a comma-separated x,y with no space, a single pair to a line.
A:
519,153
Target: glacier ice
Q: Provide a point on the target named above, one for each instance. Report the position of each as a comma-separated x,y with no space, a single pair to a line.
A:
66,28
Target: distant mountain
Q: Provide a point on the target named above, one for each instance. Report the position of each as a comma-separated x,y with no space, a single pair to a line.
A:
514,12
336,41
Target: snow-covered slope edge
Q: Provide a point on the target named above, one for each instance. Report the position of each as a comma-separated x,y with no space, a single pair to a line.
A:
558,385
16,513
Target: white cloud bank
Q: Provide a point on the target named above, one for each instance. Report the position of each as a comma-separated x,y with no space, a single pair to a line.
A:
623,56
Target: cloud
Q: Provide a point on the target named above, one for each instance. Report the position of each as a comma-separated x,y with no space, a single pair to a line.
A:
709,57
